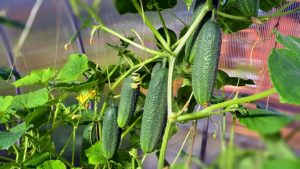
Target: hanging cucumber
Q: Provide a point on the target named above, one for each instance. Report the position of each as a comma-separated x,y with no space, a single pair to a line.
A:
248,7
155,111
129,96
206,61
110,132
191,48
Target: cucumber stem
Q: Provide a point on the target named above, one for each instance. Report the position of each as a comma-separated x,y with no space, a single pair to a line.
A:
209,110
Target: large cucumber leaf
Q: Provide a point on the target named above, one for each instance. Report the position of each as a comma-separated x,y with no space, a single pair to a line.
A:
284,67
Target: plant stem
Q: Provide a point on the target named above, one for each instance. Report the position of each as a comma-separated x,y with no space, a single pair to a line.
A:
164,26
162,153
285,6
230,152
169,107
104,28
180,149
119,80
66,145
191,29
25,149
150,25
73,144
209,110
131,127
240,18
7,159
170,84
265,17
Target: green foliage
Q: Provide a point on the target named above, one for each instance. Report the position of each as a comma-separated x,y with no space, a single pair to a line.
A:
52,164
263,121
36,77
267,5
74,68
230,25
224,79
95,154
80,94
31,99
284,66
8,138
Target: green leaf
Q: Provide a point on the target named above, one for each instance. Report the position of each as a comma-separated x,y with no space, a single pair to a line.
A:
52,164
77,64
281,163
188,4
125,6
267,5
5,73
263,121
284,67
36,77
5,102
31,99
289,42
8,138
95,154
11,22
38,117
230,25
275,140
75,86
172,35
224,79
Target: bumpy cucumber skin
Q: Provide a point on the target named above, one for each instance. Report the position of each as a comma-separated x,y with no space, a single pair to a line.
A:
249,7
191,48
155,111
206,61
128,101
110,132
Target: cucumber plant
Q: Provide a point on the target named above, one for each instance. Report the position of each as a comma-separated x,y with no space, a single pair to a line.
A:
157,93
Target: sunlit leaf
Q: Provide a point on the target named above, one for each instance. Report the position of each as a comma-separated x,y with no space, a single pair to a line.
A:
52,164
36,77
31,99
95,154
74,68
281,163
8,138
5,102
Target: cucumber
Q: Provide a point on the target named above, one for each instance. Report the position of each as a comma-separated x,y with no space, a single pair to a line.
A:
248,7
206,61
155,68
155,111
191,47
110,132
129,96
